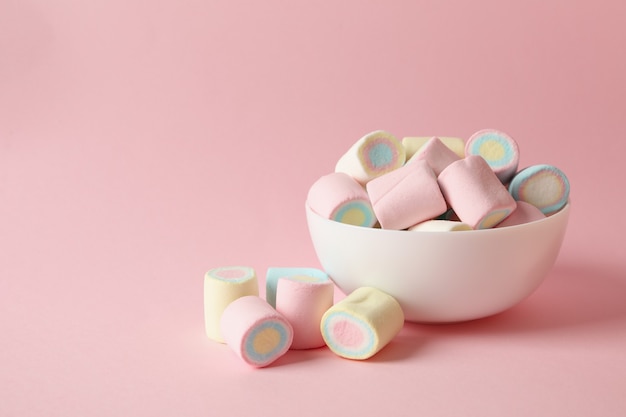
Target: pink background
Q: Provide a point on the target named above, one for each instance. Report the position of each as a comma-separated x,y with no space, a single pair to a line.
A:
143,143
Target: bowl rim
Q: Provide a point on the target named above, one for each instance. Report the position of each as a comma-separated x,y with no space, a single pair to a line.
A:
562,212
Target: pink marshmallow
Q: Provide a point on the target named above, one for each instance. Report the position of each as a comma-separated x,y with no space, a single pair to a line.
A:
256,332
338,196
524,213
436,153
303,300
475,193
406,196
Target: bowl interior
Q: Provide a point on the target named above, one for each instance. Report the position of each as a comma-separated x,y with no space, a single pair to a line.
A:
441,276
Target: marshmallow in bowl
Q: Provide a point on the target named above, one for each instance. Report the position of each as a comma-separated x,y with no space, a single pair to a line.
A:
477,180
406,196
524,213
440,226
337,196
475,193
544,186
436,153
412,144
497,148
372,155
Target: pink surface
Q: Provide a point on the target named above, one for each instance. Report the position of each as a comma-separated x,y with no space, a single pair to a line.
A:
143,143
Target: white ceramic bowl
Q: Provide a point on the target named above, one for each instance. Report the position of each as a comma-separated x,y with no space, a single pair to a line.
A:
441,277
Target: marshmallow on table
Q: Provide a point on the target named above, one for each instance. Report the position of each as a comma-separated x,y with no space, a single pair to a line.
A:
544,186
524,213
303,300
339,197
221,287
440,226
412,144
256,332
273,274
361,324
475,193
436,153
406,196
498,149
371,156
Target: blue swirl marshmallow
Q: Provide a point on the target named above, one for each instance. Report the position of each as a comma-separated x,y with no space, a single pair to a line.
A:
544,186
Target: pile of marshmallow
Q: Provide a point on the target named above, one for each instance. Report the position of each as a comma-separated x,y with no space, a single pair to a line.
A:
437,183
298,312
419,183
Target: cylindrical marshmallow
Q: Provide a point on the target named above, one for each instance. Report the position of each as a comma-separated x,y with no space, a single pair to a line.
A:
273,274
524,213
544,186
221,287
475,193
406,196
371,156
339,197
498,149
436,154
361,324
440,226
303,300
256,332
413,143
